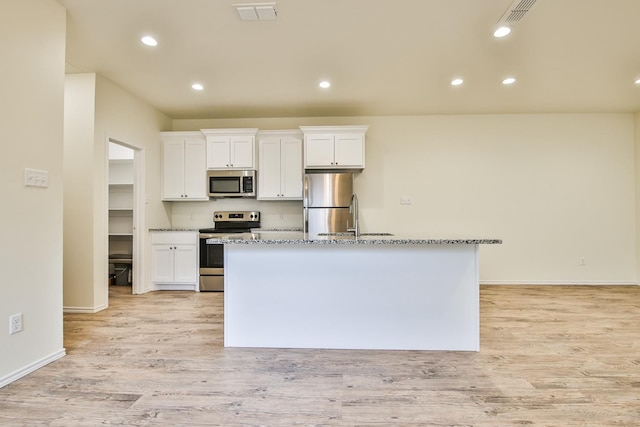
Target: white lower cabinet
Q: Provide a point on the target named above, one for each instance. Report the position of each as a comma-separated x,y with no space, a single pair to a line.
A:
174,260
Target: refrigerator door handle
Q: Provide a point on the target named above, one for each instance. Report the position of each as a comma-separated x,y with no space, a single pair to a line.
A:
305,220
305,192
305,214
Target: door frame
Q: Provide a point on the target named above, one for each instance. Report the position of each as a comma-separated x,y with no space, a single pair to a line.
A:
139,262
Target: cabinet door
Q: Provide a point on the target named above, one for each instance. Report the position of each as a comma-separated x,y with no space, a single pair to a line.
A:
319,150
195,170
185,264
291,171
218,152
173,170
269,170
162,263
242,152
349,150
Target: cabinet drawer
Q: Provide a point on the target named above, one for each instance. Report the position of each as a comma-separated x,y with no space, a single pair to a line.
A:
174,237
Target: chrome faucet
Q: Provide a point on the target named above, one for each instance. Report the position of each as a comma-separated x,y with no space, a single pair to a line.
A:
353,210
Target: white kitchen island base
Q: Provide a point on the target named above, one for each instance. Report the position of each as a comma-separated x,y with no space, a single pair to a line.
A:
359,296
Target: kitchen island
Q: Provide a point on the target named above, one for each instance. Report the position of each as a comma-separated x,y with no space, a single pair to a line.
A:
371,292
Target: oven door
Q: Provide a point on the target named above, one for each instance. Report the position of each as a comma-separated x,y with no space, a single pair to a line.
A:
211,265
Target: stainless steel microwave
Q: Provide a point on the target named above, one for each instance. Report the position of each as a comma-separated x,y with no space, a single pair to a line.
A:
231,183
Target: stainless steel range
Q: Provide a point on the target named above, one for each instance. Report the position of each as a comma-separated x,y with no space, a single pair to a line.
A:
212,256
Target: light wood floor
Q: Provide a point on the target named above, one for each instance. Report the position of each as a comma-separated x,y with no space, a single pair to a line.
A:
550,356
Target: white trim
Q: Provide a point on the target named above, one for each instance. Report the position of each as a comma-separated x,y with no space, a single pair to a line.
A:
86,310
104,273
16,375
139,285
234,132
334,129
176,287
286,132
559,282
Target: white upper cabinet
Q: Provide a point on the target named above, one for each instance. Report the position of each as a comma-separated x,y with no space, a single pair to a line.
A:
334,147
319,150
183,166
280,165
230,148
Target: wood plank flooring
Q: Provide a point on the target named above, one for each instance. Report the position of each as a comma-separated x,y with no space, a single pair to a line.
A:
550,356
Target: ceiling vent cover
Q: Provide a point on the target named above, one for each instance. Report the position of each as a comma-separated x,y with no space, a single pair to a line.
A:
256,11
516,11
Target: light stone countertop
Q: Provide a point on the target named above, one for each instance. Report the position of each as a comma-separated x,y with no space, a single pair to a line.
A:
173,229
276,229
298,237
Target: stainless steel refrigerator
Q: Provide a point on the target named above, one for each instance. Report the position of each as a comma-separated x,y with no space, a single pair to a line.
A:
327,197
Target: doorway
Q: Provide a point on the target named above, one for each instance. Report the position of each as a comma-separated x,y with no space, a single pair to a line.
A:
125,216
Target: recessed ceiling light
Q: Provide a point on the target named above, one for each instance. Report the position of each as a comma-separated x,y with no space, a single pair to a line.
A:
456,82
149,41
637,82
325,84
509,81
197,86
502,31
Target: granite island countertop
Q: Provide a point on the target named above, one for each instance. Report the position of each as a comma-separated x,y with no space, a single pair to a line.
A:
298,237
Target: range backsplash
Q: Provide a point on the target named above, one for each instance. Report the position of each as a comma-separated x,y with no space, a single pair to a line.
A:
274,214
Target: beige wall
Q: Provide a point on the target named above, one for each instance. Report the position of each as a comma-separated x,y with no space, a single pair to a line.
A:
79,118
555,187
32,42
126,118
637,195
104,111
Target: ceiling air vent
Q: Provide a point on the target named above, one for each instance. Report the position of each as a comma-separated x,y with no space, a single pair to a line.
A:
256,11
516,11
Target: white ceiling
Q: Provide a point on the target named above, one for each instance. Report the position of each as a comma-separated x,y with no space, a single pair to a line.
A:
383,57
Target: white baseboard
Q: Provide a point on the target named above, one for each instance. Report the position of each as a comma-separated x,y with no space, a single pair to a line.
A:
556,282
86,310
175,287
31,367
142,291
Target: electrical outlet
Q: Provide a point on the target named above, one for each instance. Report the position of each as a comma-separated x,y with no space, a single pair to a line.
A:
36,178
15,323
405,200
582,262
